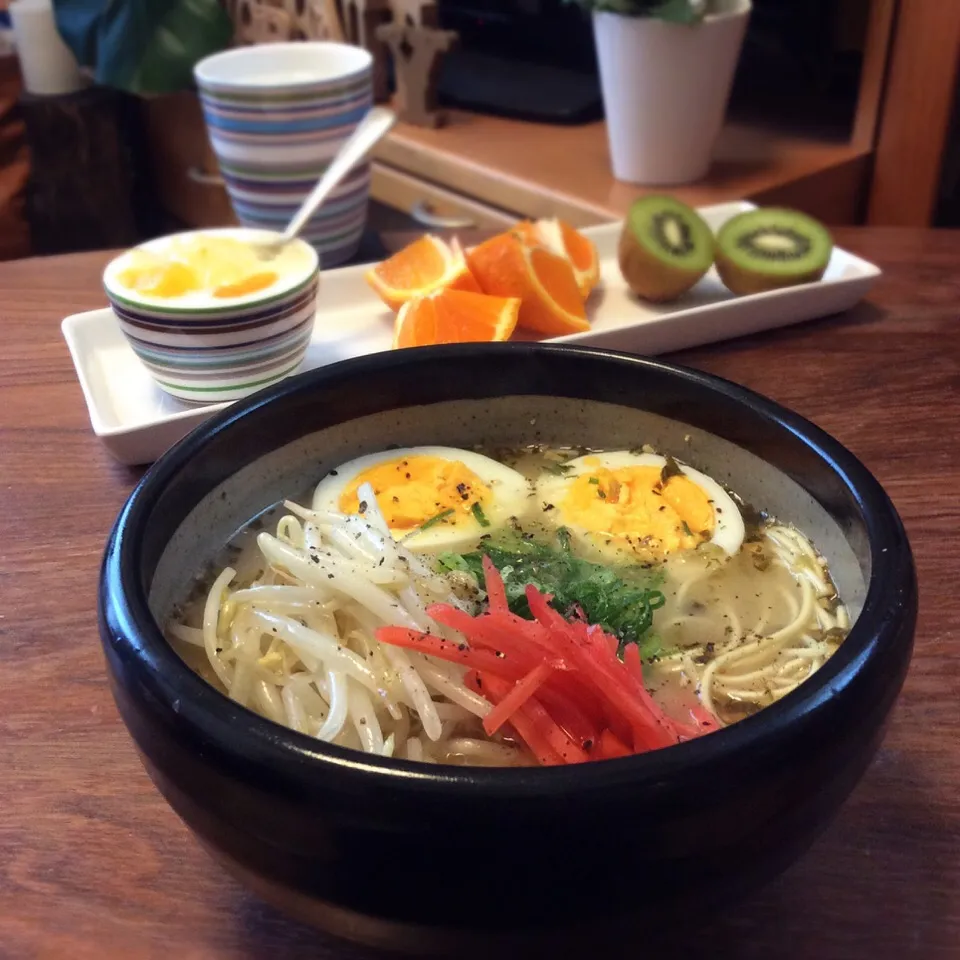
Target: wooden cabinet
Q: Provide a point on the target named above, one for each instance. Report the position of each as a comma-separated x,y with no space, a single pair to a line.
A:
534,170
486,172
432,206
919,100
184,168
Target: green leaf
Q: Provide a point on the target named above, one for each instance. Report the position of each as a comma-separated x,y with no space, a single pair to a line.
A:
479,515
651,647
434,520
680,11
455,563
143,46
620,599
674,11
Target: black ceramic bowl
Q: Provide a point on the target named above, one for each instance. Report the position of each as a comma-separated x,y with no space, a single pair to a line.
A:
382,849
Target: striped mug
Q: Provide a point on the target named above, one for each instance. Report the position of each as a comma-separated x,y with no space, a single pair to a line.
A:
277,114
205,349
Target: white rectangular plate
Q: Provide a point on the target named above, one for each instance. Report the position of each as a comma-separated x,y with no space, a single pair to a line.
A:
137,421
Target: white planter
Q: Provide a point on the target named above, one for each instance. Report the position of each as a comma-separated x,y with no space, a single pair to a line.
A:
665,90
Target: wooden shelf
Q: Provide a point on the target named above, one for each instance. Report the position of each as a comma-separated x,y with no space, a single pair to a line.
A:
540,170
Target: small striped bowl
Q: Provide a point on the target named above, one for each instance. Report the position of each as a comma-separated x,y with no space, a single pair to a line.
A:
277,114
204,350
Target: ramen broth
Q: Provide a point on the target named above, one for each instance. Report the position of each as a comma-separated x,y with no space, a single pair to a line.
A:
726,610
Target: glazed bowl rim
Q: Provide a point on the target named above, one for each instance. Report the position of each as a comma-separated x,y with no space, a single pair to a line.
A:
204,71
250,738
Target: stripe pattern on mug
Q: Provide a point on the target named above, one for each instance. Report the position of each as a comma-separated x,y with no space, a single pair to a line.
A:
273,144
215,354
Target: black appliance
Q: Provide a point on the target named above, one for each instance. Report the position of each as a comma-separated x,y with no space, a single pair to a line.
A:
535,60
525,59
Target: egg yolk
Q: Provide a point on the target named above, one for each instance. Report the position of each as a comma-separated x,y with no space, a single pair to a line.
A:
222,266
633,506
413,490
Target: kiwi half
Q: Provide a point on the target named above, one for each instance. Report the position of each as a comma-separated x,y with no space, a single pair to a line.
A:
771,248
665,248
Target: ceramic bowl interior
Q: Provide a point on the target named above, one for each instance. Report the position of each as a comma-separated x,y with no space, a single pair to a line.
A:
208,350
294,468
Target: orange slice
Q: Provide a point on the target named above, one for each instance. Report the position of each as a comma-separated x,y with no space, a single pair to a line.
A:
559,237
426,265
252,284
505,266
455,316
164,279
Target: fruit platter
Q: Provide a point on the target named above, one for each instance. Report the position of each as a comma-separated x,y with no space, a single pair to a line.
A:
539,275
664,279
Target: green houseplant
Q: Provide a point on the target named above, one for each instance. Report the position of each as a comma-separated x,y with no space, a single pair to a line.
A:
673,11
143,46
666,70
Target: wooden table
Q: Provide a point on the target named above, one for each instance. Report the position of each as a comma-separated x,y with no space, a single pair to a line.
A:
93,864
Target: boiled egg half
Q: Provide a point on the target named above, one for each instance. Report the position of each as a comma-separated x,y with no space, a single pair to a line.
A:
642,507
433,497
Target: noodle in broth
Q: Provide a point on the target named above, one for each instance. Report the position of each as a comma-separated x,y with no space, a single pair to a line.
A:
287,627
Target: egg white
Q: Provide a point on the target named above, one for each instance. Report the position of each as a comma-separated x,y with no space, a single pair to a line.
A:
728,531
511,495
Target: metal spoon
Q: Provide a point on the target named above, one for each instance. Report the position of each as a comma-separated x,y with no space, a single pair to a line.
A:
369,131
